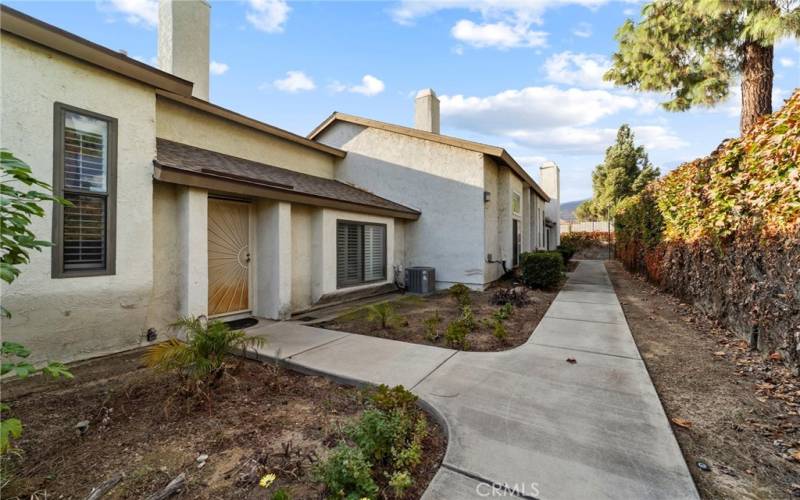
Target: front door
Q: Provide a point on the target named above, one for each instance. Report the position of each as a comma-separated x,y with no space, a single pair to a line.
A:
228,257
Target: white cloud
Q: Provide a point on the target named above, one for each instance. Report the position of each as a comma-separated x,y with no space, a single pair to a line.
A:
295,81
218,68
369,86
152,60
268,15
499,34
583,70
524,10
532,108
590,141
583,30
458,50
137,12
630,12
787,62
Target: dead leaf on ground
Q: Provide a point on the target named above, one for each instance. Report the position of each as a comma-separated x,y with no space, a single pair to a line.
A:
682,422
775,356
719,353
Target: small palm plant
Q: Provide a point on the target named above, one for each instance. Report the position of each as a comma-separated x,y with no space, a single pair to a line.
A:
201,357
382,313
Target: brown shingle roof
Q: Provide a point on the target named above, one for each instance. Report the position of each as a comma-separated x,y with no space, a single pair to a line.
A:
228,173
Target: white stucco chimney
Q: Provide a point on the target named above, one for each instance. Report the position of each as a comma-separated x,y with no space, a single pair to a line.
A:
426,111
183,41
551,184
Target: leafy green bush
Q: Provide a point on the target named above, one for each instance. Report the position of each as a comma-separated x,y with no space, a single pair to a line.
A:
567,250
201,358
400,482
377,432
383,314
499,331
432,327
388,399
504,312
542,269
456,335
460,292
281,494
347,474
468,318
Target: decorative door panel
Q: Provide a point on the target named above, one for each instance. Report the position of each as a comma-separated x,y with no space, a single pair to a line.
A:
228,257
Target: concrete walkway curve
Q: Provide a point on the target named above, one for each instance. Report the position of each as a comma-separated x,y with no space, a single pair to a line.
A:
524,422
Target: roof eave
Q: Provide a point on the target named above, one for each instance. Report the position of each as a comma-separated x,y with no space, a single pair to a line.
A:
171,174
233,116
29,28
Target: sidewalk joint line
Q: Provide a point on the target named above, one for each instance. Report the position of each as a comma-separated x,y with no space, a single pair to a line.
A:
483,480
588,320
317,346
434,369
587,351
583,302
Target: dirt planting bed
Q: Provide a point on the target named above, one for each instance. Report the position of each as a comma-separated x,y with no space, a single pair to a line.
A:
733,410
412,311
263,420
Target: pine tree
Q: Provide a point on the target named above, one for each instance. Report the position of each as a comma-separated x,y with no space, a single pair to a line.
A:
696,49
625,171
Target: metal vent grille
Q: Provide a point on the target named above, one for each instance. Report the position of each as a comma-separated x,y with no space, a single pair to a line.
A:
420,279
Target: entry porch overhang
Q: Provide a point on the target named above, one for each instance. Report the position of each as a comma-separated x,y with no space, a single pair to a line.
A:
186,165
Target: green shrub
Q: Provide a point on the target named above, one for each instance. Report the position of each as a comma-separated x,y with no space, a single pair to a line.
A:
432,327
377,432
383,314
504,312
567,250
499,331
468,318
542,269
347,474
460,292
388,399
202,356
400,482
456,335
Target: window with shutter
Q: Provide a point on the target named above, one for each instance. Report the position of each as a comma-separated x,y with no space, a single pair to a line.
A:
84,175
360,253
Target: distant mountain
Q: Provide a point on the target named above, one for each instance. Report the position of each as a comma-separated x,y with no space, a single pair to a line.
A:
568,209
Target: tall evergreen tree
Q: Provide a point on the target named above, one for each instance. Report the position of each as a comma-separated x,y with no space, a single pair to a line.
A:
625,171
696,49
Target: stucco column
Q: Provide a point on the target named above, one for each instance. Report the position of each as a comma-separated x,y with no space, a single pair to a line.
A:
193,227
273,259
323,253
526,220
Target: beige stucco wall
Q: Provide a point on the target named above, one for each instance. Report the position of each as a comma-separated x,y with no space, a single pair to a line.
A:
301,256
165,304
445,183
187,125
72,318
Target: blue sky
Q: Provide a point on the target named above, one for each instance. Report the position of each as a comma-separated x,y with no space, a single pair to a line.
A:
522,74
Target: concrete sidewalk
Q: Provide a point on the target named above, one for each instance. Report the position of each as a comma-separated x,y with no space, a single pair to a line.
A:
525,422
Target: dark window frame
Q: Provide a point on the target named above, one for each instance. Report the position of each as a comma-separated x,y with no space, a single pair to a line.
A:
362,282
57,270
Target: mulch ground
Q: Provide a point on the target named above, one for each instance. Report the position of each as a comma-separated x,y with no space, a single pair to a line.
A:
736,411
264,419
414,310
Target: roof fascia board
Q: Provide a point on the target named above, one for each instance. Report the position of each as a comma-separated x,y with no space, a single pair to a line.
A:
211,182
31,29
235,117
